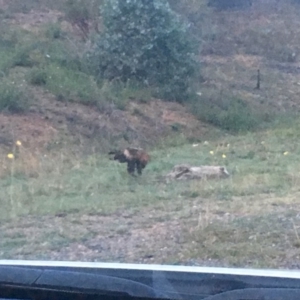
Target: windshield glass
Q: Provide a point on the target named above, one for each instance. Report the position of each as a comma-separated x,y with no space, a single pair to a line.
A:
157,132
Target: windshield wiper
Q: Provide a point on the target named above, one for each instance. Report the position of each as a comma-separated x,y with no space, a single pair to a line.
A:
72,280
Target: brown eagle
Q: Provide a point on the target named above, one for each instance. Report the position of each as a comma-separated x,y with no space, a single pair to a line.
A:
136,158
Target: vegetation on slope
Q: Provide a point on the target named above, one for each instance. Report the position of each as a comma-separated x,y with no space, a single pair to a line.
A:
240,221
246,215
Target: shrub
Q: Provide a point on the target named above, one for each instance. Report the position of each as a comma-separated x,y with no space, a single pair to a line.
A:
53,31
78,14
229,113
83,14
145,41
12,98
120,93
67,84
20,54
15,51
37,76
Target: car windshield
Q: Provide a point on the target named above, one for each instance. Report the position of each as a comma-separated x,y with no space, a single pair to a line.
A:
150,131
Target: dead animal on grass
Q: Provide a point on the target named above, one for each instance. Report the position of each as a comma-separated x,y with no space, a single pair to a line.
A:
136,159
186,172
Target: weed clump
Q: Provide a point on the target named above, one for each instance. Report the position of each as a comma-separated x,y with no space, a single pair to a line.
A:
12,98
37,76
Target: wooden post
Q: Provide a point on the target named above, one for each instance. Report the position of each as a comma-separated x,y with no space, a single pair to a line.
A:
258,80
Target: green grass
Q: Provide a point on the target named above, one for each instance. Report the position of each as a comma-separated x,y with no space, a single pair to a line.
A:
53,60
70,85
235,221
264,163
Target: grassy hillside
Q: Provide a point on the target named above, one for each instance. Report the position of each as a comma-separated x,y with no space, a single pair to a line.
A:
249,219
61,197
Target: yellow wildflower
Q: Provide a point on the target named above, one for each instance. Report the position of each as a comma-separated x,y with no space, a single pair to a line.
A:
286,153
18,143
224,156
10,156
211,152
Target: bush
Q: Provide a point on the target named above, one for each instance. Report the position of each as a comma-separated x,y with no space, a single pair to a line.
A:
229,113
67,84
229,4
145,41
21,54
37,76
83,14
15,50
12,98
53,31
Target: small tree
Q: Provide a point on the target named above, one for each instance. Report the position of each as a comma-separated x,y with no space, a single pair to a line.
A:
83,15
145,40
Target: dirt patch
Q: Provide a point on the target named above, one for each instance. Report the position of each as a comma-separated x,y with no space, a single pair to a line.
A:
94,238
32,130
33,20
152,243
157,236
139,125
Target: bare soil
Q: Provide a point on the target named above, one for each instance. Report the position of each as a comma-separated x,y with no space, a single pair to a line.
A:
174,235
